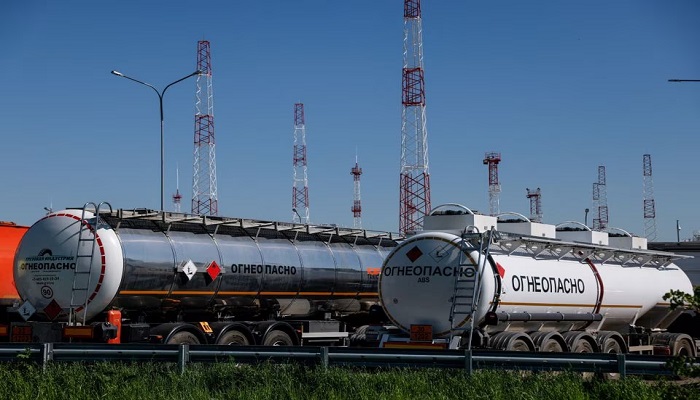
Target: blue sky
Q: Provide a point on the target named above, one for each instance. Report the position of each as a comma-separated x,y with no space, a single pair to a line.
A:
557,87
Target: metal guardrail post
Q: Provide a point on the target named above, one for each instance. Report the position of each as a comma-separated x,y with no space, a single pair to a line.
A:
183,356
324,357
468,365
622,365
46,354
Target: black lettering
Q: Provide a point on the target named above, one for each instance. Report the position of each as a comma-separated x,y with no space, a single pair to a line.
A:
515,281
530,283
545,284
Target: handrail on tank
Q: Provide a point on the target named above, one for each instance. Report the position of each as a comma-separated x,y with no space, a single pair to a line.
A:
159,217
456,205
619,230
573,223
525,219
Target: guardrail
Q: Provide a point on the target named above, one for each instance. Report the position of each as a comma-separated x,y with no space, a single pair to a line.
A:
623,364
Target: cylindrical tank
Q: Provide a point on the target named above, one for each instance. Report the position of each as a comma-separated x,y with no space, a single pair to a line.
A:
417,287
229,267
10,235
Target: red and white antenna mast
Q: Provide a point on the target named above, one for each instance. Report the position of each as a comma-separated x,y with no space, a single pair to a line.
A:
414,186
204,197
492,160
649,204
300,189
177,197
600,201
356,171
535,197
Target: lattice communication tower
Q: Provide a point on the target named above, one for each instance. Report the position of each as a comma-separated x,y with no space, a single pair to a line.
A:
535,197
356,171
649,203
492,160
600,201
204,196
414,186
300,185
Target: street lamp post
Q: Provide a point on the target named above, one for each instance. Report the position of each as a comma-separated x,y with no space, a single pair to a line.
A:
160,102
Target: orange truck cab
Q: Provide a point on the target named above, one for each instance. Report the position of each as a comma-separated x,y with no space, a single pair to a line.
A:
10,236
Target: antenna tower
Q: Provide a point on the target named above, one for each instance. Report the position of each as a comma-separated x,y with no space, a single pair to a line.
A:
414,186
600,201
204,197
492,160
300,189
356,171
535,197
177,197
649,204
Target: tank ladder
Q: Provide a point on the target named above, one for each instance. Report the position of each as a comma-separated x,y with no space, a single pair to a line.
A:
467,289
84,255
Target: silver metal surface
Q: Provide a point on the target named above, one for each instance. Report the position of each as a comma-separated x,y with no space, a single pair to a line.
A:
284,269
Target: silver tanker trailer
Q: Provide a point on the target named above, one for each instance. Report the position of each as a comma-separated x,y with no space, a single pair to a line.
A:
94,274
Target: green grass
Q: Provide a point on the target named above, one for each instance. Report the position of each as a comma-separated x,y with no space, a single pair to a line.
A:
23,380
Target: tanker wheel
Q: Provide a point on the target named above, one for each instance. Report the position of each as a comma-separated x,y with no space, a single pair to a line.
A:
233,338
183,337
519,345
683,348
610,346
277,338
582,346
551,346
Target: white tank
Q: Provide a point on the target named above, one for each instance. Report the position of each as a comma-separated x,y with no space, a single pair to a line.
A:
570,281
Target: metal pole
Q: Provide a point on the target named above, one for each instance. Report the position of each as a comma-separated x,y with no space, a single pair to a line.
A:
162,142
297,213
586,216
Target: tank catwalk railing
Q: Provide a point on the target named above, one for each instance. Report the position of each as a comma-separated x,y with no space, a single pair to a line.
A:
541,247
469,360
167,221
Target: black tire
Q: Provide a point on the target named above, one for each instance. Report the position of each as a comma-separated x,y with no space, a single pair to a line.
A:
183,337
277,338
233,338
583,346
552,346
519,345
683,348
612,346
